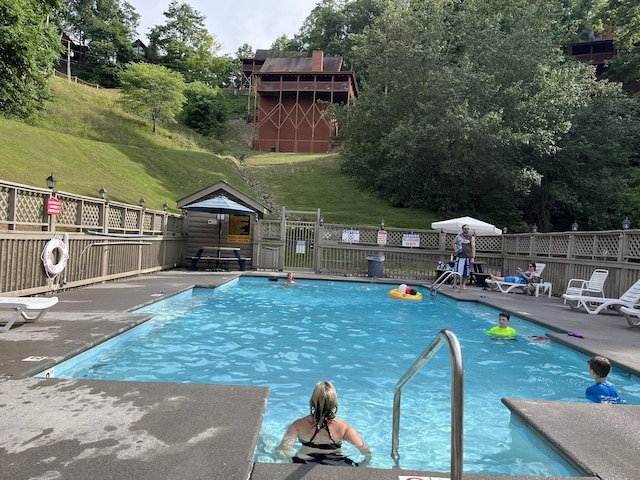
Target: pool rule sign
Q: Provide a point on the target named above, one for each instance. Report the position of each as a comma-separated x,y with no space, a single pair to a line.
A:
382,237
53,206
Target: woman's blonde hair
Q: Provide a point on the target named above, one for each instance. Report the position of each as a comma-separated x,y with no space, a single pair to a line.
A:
323,404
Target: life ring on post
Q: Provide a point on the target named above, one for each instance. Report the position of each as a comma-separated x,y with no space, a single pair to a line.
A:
48,256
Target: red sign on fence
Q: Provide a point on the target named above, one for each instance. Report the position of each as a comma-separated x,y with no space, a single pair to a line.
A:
53,206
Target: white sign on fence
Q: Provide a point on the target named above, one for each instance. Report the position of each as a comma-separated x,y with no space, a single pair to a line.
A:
350,236
410,240
382,237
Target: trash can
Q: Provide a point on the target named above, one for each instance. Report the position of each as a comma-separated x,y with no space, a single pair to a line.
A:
375,263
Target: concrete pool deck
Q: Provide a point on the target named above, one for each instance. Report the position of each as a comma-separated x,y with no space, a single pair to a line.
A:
79,429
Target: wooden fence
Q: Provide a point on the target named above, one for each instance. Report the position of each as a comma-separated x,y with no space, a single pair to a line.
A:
566,254
108,240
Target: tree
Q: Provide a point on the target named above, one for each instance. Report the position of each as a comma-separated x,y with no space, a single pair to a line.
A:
183,44
285,44
204,110
465,107
334,25
152,91
625,66
29,49
589,179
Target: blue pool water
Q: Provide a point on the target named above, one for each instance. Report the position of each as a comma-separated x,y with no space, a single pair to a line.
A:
261,333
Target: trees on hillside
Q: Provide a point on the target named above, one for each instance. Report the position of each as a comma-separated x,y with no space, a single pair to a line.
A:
29,49
108,27
333,26
184,45
204,110
473,106
153,92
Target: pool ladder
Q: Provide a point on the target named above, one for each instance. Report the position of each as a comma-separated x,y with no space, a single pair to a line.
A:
457,390
435,286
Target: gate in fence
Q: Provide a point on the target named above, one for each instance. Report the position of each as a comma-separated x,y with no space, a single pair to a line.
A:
300,239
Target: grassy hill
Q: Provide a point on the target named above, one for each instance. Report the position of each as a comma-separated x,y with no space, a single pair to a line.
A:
88,142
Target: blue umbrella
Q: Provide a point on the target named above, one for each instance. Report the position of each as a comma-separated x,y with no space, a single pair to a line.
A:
219,204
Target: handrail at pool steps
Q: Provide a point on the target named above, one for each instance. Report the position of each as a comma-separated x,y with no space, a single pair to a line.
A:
444,278
457,394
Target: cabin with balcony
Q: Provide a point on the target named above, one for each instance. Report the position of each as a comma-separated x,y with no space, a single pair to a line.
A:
292,94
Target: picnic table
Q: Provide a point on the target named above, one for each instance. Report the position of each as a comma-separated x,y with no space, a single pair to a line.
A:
218,258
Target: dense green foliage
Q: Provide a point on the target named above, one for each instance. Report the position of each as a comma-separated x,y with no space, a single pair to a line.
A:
204,110
29,49
108,27
184,45
473,107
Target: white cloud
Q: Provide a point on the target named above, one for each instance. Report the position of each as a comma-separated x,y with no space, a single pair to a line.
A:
256,22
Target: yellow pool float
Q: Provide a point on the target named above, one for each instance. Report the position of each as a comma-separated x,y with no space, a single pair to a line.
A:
397,295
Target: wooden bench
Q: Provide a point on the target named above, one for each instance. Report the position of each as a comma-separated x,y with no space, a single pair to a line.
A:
221,263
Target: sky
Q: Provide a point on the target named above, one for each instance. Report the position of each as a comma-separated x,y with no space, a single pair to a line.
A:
256,22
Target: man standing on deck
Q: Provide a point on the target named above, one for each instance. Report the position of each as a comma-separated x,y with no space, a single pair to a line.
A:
465,247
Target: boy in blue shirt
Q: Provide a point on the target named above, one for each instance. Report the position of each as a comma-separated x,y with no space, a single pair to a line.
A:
602,391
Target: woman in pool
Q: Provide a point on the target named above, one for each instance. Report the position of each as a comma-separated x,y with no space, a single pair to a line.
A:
321,433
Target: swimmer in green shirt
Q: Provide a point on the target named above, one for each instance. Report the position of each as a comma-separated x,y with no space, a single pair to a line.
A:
502,329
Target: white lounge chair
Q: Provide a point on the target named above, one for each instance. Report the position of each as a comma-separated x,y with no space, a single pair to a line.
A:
632,315
508,287
595,305
31,309
593,287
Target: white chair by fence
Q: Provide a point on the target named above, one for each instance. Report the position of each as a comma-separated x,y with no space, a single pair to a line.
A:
592,287
595,305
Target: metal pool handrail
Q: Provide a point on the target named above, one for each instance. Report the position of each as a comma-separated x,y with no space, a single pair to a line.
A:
457,390
435,286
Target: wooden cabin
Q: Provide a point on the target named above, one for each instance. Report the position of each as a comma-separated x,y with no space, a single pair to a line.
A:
292,94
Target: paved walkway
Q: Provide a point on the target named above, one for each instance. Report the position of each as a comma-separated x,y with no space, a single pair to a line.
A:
78,429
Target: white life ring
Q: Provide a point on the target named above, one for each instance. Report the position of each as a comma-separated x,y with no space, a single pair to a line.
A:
47,256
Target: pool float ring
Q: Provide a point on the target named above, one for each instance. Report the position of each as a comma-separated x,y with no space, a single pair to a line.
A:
47,256
396,295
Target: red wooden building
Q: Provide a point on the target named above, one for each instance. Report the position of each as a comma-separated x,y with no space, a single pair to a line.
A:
291,96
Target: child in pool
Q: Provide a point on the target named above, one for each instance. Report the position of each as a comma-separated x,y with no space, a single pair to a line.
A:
602,391
502,329
290,280
407,290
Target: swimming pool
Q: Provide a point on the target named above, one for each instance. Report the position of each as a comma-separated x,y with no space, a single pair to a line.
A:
260,333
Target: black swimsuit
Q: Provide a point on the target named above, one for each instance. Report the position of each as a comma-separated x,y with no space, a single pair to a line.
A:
335,458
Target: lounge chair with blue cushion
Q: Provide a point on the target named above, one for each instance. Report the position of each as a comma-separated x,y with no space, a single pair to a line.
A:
31,309
595,305
508,287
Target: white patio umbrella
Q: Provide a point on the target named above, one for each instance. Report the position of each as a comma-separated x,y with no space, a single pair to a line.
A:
476,227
